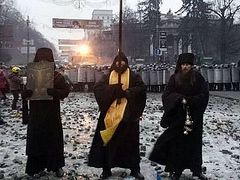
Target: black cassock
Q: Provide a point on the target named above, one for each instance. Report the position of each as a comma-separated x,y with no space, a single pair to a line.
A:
123,149
44,133
174,149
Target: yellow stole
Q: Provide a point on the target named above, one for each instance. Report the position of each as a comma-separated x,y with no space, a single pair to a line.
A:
115,112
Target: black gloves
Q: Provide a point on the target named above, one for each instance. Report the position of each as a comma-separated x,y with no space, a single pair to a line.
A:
26,93
119,92
51,92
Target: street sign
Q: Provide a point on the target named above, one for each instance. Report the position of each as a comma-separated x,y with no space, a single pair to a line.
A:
32,50
69,41
163,50
25,42
163,43
163,35
77,23
68,52
158,51
66,48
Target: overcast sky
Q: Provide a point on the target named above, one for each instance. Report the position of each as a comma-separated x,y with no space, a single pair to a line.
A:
41,13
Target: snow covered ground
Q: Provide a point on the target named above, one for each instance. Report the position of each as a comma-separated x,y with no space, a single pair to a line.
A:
221,139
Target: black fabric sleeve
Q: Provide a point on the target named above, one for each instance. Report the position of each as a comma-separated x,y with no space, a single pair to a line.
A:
200,101
61,88
171,104
170,97
136,95
104,93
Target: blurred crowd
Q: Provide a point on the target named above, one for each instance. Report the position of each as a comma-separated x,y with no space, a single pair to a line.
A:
10,82
82,78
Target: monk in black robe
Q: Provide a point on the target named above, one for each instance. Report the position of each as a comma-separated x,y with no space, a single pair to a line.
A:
45,147
116,140
186,95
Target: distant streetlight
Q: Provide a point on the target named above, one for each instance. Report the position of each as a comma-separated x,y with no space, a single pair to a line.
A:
84,50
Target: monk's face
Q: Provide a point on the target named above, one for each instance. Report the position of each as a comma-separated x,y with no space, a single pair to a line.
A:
186,68
122,63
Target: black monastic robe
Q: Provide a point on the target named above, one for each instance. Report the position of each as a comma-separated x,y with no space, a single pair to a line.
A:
45,147
174,149
123,149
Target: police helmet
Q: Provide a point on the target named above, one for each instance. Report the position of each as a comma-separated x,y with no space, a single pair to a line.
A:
15,69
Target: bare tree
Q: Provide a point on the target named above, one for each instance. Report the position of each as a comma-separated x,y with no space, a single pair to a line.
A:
150,16
12,20
194,26
134,36
226,10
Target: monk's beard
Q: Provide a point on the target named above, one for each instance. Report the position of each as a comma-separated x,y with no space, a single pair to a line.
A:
121,69
185,78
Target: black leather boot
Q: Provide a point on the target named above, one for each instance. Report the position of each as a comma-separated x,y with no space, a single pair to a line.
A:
175,175
199,176
106,173
60,172
137,175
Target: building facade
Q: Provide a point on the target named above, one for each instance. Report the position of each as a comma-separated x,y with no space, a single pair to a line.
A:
169,41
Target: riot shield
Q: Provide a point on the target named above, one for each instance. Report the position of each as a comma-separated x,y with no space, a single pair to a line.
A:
40,76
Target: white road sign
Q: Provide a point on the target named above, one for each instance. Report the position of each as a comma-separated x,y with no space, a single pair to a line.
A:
69,41
32,50
25,42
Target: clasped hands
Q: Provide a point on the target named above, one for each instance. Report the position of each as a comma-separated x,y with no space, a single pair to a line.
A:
119,92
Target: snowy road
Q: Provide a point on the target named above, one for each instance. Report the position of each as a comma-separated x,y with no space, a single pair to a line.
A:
221,144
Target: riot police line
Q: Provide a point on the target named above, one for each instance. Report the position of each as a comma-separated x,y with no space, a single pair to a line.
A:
84,77
155,77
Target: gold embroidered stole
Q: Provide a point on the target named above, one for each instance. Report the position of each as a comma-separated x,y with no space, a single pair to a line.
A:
116,111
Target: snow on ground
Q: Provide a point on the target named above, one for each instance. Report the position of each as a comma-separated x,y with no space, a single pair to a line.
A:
221,145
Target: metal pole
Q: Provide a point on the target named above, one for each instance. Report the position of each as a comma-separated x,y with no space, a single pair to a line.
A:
28,22
120,44
120,27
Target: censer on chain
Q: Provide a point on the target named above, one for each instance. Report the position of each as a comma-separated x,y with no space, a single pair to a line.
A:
188,122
